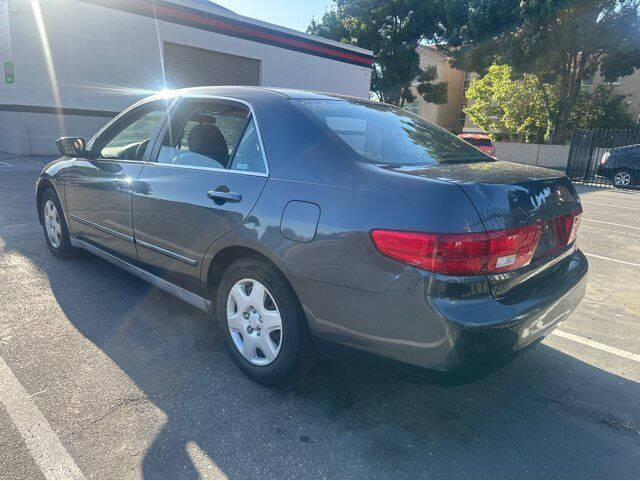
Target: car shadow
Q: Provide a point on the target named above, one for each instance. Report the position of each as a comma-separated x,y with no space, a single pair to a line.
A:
546,414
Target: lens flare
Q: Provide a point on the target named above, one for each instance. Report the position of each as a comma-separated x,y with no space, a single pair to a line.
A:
48,58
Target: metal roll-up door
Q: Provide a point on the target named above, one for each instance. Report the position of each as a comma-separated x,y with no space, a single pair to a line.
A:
194,67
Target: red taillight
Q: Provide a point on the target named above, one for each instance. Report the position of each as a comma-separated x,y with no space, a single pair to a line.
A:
476,253
461,254
565,228
512,248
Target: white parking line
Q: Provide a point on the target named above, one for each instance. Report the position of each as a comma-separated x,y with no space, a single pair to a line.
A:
612,259
6,164
612,223
609,205
597,345
43,444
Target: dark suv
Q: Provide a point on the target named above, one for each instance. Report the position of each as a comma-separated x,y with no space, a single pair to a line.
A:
621,165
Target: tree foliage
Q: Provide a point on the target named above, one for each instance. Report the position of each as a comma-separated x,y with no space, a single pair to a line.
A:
391,29
557,42
502,105
603,108
516,107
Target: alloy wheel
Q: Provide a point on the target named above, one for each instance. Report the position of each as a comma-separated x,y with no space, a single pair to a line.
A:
622,178
254,322
52,224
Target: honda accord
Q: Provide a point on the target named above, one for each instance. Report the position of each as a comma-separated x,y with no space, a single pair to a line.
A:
303,221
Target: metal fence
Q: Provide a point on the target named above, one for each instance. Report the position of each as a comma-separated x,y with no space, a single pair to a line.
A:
587,149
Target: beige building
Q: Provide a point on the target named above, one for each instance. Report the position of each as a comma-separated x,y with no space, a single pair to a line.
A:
449,115
629,85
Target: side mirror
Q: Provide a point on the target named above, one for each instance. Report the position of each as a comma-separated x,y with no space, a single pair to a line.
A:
71,146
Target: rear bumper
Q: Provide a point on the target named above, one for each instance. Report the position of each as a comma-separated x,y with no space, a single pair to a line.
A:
520,320
411,325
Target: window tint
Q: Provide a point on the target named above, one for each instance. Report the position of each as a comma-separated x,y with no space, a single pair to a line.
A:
204,133
128,137
382,134
248,155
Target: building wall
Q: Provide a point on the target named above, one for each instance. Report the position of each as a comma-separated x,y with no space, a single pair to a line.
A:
444,115
543,155
448,113
630,86
103,59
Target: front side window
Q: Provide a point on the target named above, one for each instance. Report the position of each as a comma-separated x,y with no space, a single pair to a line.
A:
382,134
212,134
129,136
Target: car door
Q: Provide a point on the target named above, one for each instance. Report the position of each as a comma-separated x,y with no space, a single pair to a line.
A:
202,180
98,192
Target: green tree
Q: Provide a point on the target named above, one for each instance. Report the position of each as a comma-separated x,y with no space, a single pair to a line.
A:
558,42
391,29
502,105
603,108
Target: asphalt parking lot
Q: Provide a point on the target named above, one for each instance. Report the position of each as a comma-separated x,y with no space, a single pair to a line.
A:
107,377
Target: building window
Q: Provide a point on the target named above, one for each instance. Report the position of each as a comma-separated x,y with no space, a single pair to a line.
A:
466,82
413,107
462,116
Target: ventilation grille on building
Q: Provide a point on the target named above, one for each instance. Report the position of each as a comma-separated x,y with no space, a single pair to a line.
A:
194,67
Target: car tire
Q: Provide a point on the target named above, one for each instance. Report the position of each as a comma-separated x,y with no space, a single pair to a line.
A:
249,318
56,233
622,178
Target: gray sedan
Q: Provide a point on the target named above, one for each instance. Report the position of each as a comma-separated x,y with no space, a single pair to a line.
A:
305,222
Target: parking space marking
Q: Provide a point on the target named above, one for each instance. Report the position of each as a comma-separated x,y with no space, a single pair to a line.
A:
597,345
43,444
612,223
612,259
6,164
609,205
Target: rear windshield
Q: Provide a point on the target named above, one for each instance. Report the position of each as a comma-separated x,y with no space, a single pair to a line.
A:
387,135
478,142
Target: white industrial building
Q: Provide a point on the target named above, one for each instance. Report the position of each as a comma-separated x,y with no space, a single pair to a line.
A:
71,65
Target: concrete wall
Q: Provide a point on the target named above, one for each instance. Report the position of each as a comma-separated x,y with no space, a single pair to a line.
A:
103,59
554,156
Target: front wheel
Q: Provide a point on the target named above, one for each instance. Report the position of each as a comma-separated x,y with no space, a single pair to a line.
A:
622,178
56,233
265,329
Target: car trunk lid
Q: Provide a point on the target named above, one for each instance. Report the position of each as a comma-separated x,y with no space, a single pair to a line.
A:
508,195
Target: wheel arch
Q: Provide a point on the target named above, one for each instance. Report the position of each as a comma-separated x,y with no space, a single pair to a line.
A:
226,256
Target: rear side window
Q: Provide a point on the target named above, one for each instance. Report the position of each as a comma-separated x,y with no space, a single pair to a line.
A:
213,133
382,134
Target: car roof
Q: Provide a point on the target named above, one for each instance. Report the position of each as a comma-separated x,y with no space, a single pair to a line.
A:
242,91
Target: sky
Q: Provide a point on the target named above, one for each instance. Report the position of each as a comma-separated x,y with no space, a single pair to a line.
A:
295,14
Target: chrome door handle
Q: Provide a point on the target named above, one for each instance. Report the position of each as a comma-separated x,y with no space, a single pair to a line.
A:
224,195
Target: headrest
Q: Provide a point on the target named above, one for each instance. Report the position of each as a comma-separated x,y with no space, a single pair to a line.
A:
206,139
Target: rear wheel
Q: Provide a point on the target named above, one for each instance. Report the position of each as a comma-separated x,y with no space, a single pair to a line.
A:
56,233
265,329
622,178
